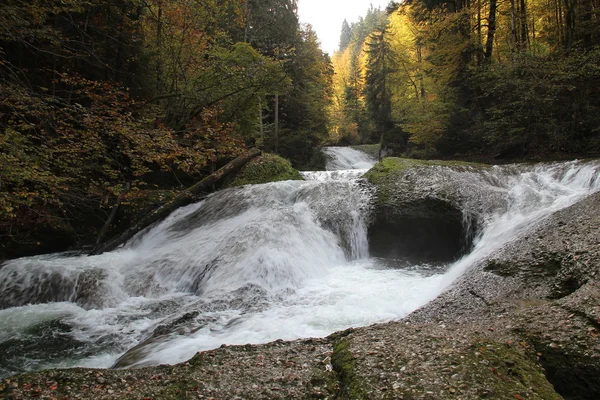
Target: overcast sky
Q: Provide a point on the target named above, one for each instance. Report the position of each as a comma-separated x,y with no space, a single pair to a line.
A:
326,17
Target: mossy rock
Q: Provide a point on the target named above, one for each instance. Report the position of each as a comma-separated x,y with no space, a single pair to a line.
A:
386,174
422,202
263,169
344,365
392,167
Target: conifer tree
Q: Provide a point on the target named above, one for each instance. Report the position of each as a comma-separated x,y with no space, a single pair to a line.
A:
380,64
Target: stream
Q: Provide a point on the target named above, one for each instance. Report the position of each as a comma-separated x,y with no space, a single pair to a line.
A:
282,260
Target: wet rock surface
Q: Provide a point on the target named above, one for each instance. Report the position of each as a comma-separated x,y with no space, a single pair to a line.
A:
523,324
436,204
542,290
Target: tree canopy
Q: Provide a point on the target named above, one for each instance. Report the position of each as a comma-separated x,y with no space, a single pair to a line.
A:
473,79
101,96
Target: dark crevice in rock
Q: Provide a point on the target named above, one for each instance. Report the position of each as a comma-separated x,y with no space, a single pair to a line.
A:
477,295
572,378
566,286
439,236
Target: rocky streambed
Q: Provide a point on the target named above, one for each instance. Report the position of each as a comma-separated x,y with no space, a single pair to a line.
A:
521,323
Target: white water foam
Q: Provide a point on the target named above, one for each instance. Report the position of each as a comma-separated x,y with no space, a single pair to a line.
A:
249,265
347,158
532,195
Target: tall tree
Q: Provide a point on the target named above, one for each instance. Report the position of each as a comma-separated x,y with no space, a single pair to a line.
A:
304,110
345,36
489,43
380,64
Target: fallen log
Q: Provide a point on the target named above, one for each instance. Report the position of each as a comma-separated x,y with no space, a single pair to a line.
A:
186,197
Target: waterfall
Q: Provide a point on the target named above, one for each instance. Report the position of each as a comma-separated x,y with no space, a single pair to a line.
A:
531,193
282,260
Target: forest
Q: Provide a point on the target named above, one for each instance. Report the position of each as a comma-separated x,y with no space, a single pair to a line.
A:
134,100
137,98
482,79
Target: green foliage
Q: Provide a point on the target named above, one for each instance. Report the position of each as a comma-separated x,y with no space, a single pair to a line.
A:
538,105
345,36
267,168
98,96
304,109
381,62
272,26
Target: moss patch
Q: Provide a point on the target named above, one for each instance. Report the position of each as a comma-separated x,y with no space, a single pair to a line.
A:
345,365
393,166
267,168
515,375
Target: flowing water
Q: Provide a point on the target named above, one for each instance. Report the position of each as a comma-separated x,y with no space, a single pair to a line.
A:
283,260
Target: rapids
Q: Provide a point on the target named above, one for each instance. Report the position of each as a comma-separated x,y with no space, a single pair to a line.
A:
282,260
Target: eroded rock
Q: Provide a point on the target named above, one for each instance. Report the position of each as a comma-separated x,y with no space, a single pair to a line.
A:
429,210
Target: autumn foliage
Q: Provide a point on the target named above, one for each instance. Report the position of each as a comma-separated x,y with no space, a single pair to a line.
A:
97,97
487,79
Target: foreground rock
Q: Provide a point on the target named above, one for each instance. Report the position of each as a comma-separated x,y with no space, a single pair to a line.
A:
522,324
543,291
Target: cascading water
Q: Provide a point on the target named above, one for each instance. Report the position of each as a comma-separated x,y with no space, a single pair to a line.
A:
282,260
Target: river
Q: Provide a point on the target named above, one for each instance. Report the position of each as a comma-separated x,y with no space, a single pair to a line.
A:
282,260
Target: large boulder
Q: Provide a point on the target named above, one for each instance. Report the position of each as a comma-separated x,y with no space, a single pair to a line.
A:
22,283
263,169
428,210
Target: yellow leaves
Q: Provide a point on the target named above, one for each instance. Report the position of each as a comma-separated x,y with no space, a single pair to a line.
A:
404,32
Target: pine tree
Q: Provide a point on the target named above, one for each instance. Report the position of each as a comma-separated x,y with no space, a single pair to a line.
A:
380,63
346,36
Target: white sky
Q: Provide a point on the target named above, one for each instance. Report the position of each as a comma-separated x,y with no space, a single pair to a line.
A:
326,17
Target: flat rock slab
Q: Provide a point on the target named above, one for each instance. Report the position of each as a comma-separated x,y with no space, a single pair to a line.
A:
278,370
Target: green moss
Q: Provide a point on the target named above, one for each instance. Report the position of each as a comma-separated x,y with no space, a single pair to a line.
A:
267,168
345,365
393,166
323,384
513,372
370,149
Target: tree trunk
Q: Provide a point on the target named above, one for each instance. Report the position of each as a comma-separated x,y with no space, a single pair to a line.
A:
121,40
159,50
570,6
479,35
513,25
188,196
524,29
421,79
246,21
533,34
558,17
262,127
489,45
112,216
